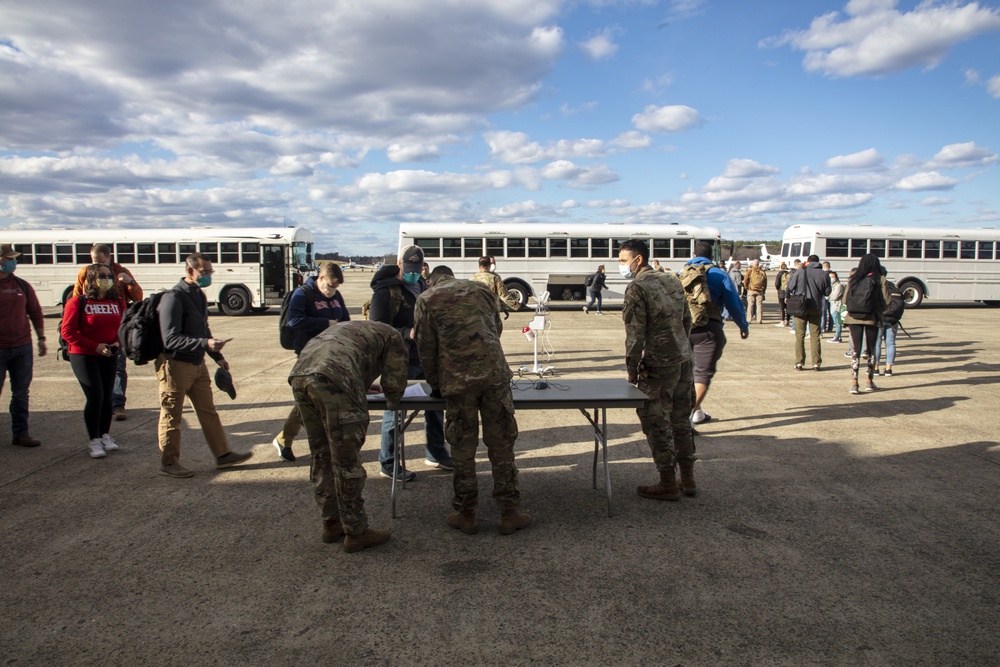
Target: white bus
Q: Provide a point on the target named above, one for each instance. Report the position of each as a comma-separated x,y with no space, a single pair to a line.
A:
945,264
254,267
534,258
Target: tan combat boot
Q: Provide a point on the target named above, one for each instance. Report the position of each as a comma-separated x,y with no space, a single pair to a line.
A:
665,490
512,521
687,478
369,538
465,521
332,530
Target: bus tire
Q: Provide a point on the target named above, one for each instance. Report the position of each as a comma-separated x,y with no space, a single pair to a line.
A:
234,301
913,293
518,290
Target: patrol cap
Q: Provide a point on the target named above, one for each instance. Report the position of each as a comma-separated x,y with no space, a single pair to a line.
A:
7,250
224,381
413,259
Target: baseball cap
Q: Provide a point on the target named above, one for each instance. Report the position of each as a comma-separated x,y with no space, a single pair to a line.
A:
224,381
413,259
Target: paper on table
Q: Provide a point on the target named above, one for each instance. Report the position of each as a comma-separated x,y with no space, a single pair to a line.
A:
412,391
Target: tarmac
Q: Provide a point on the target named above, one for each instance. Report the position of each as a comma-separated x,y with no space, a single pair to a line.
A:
829,529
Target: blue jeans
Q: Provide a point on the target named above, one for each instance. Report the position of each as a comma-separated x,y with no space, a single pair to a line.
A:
889,333
433,429
18,361
838,322
121,382
594,295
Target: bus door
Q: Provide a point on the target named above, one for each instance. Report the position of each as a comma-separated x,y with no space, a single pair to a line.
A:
273,273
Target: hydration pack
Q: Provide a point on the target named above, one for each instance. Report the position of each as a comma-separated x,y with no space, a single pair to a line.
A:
695,282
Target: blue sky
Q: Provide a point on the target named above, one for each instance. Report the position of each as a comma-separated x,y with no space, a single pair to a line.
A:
349,118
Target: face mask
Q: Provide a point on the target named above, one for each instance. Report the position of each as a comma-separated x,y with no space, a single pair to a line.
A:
625,270
411,278
104,284
8,265
493,268
204,281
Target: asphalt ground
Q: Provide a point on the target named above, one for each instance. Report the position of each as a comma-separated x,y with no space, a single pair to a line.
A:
829,529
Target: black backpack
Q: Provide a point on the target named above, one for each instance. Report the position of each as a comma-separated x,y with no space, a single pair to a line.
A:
862,298
286,334
895,307
63,351
589,282
139,332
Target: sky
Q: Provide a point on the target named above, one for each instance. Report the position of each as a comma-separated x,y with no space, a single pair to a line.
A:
349,117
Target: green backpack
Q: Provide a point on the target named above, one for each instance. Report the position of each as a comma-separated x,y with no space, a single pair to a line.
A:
695,282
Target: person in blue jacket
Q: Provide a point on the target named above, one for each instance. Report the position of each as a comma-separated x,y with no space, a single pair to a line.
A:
708,341
314,307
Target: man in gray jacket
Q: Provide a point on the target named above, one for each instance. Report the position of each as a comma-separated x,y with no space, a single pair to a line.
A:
181,370
813,282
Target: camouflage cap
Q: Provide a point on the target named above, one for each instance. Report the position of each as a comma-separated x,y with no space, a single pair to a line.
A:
413,259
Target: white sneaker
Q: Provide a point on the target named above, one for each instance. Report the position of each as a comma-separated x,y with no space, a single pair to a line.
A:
96,448
586,311
109,443
699,417
599,313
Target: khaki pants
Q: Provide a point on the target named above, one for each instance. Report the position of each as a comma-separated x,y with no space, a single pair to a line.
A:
812,318
755,308
177,380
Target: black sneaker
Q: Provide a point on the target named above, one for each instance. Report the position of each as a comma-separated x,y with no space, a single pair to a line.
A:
404,475
231,459
284,453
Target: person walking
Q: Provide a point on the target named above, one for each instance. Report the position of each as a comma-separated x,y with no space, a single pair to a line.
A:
181,369
812,282
754,286
130,292
595,285
330,381
313,307
19,312
866,296
90,328
458,336
781,284
836,301
487,275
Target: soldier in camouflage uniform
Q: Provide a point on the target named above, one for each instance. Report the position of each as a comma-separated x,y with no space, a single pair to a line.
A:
486,276
658,361
330,382
458,337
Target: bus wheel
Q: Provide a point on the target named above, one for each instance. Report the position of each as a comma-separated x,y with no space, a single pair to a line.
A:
234,301
518,290
913,294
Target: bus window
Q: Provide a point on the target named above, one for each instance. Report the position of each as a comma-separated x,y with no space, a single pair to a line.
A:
859,247
83,253
431,247
682,248
784,250
536,247
43,253
166,253
660,249
451,247
807,248
932,249
837,248
473,248
914,249
125,253
229,253
600,248
146,253
251,253
25,250
557,248
209,250
796,250
985,250
895,248
878,247
494,247
949,249
185,249
64,253
579,248
968,249
515,247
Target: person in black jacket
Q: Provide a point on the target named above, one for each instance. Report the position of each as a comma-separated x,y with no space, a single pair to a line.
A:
594,289
394,293
181,370
314,307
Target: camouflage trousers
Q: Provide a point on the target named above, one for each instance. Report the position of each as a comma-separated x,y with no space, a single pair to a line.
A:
462,414
336,433
666,418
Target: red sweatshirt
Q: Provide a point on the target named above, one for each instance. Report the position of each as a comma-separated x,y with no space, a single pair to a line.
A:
16,308
98,323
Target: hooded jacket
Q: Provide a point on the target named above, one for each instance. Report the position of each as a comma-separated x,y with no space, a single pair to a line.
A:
309,312
393,303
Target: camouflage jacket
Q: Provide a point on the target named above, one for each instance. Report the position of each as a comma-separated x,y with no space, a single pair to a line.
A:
657,321
495,284
353,355
458,337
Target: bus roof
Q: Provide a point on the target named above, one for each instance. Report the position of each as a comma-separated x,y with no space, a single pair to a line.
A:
527,229
151,234
884,231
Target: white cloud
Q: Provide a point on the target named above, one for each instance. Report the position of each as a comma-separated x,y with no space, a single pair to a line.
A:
866,159
413,153
632,139
993,86
936,201
967,154
743,168
602,45
578,176
927,180
657,84
877,39
676,118
518,148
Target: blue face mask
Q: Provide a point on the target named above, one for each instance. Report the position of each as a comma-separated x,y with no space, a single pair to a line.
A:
8,265
625,270
411,278
204,281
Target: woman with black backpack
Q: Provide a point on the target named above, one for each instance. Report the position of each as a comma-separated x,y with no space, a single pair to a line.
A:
865,299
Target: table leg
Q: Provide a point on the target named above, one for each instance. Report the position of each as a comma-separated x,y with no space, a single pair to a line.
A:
398,461
604,441
597,446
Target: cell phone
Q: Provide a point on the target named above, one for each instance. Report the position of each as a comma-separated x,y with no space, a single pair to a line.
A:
225,340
